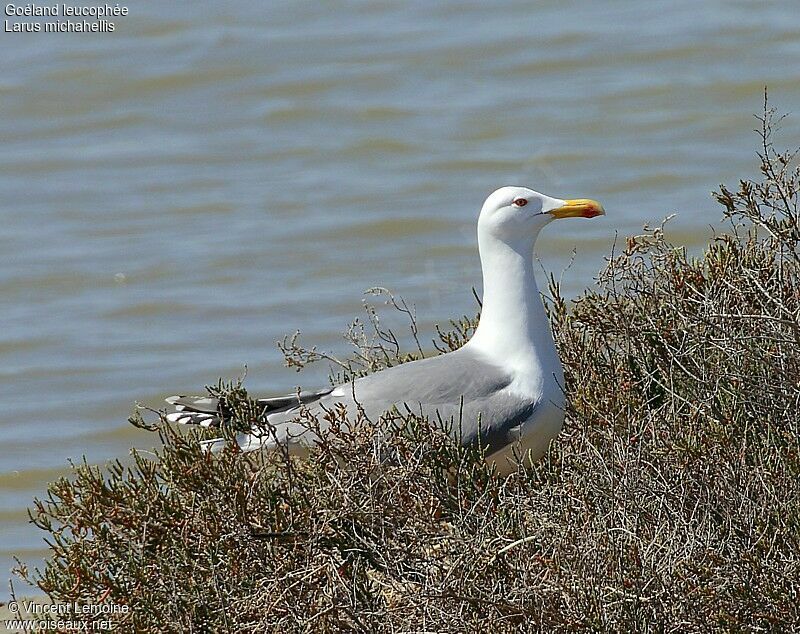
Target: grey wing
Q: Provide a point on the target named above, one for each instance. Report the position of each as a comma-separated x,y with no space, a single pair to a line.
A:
460,391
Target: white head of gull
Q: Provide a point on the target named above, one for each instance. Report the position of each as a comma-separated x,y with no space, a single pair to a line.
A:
503,388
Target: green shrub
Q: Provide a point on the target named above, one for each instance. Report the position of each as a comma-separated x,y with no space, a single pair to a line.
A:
670,502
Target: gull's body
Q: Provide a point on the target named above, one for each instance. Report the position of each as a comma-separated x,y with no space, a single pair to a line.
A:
504,387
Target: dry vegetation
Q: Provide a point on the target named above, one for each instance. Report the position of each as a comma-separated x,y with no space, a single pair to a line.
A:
669,503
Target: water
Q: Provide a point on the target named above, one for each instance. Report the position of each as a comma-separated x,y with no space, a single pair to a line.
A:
179,194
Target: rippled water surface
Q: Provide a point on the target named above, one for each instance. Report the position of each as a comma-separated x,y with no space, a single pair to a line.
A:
179,194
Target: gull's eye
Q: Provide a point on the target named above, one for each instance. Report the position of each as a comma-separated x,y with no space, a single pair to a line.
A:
520,202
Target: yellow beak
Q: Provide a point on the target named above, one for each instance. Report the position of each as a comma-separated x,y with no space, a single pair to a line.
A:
578,208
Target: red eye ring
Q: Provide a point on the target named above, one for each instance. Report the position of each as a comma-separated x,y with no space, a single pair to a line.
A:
520,202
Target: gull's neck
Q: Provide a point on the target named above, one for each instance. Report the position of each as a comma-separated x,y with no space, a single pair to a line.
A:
514,330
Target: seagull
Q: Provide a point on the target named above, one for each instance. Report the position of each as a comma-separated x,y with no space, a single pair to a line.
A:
504,388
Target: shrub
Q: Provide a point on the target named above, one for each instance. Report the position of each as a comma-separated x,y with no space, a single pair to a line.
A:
670,501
